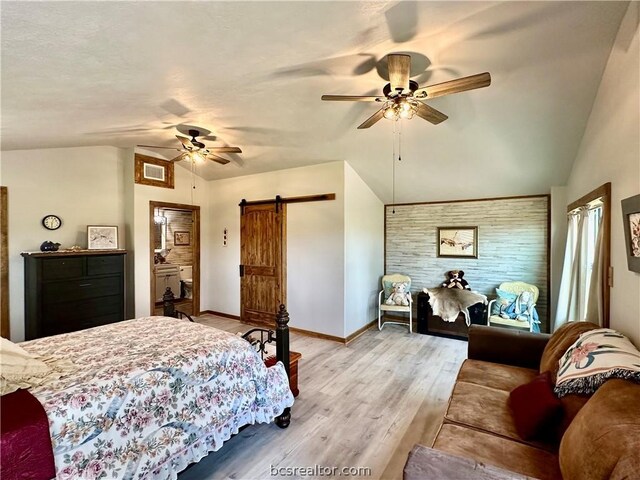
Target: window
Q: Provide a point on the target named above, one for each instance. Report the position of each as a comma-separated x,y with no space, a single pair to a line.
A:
584,288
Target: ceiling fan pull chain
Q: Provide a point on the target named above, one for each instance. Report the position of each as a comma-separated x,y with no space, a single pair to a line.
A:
193,177
393,170
400,141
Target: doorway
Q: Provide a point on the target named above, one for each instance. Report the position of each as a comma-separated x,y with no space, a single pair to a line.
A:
263,258
174,252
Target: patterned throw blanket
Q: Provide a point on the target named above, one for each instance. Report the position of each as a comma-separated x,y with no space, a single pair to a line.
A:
448,303
594,358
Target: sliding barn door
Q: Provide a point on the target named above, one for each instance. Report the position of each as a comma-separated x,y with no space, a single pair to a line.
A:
263,281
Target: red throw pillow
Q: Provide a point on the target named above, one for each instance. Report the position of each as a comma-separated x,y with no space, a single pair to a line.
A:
535,408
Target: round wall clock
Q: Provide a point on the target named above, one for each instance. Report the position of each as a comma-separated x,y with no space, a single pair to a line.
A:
51,222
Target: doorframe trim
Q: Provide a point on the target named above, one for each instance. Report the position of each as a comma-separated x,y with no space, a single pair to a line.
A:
5,324
195,234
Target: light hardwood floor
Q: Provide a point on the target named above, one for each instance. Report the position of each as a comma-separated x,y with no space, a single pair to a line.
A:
361,405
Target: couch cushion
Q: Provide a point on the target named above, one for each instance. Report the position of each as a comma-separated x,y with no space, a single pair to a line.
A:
603,440
497,451
495,375
559,343
486,409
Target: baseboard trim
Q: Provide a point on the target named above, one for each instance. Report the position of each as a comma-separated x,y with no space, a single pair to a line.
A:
301,331
220,314
359,332
313,334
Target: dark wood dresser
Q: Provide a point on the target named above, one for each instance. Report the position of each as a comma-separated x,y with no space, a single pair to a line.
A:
68,291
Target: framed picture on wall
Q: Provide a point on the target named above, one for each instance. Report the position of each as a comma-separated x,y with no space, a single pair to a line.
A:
181,239
102,237
457,242
631,222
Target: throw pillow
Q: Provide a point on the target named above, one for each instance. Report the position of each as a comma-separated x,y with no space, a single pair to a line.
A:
18,366
558,344
535,408
503,301
594,358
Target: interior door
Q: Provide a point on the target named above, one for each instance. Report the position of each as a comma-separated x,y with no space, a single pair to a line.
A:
263,280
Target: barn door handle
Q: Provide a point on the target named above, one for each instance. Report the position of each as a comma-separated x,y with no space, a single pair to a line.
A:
242,270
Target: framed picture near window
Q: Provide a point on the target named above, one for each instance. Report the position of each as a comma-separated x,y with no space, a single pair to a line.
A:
457,242
631,222
181,239
102,237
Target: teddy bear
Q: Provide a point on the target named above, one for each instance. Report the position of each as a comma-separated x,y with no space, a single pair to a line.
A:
399,294
455,280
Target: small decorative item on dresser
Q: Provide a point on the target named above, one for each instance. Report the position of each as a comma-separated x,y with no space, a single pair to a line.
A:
181,238
49,246
631,221
102,237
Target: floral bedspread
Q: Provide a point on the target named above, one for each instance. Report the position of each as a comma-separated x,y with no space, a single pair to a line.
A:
152,395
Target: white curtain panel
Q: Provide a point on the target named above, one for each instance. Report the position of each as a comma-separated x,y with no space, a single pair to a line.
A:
580,296
595,300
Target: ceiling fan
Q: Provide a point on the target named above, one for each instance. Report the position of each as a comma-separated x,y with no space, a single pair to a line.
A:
192,148
402,96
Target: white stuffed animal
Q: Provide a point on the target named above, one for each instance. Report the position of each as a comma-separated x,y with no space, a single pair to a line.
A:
399,295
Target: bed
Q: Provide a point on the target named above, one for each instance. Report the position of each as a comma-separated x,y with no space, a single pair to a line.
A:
152,395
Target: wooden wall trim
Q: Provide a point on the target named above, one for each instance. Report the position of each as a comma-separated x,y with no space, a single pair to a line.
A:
139,177
603,192
221,314
5,325
438,202
306,333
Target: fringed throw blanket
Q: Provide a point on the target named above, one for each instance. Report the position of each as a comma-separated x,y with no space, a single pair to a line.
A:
448,303
594,358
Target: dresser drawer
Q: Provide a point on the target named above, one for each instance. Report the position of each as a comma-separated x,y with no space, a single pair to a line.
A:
66,327
80,289
75,311
58,268
104,264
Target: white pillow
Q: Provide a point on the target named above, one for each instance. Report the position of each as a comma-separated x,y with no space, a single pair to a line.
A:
17,367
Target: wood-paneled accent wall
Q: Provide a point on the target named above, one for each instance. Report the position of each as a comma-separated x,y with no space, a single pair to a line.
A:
513,244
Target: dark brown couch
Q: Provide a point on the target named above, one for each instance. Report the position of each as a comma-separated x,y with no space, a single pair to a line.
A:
599,437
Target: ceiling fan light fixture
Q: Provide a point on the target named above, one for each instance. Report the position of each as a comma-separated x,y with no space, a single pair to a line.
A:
399,108
195,156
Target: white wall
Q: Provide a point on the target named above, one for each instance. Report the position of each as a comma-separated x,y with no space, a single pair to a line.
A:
83,186
610,152
558,244
315,244
182,193
364,251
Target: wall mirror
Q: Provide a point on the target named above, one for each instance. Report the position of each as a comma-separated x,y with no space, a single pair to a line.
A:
159,232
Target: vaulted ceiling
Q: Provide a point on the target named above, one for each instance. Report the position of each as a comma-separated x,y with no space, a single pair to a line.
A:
126,73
